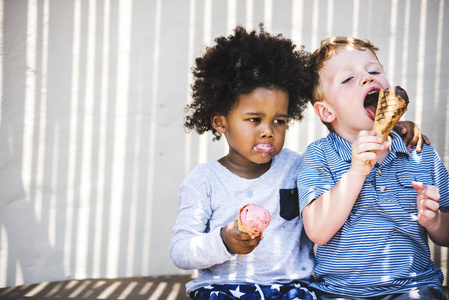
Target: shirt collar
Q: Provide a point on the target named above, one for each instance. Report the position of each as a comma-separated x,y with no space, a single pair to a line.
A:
344,148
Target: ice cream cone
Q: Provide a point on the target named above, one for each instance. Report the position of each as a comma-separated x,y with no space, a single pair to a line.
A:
257,222
390,108
242,228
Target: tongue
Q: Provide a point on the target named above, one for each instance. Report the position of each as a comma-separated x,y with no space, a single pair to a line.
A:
371,110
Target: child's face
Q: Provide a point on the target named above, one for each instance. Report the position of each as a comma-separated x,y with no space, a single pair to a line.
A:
350,75
259,120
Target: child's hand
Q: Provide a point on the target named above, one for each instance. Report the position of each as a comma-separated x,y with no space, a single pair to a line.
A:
427,201
411,134
365,151
238,242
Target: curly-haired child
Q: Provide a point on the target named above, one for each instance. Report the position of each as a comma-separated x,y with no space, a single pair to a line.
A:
248,87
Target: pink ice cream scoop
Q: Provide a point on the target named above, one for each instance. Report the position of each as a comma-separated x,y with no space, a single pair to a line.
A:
253,219
264,149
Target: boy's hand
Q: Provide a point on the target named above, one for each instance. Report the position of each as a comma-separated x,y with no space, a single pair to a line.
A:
238,242
411,134
365,151
427,201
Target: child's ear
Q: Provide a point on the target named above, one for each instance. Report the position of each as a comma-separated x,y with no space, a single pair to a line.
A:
324,111
219,123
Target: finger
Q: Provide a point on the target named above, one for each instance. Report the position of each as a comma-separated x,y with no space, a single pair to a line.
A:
432,192
426,139
428,214
408,138
400,128
419,144
369,147
419,186
430,205
413,141
366,133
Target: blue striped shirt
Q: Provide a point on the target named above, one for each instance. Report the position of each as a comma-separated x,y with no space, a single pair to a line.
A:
381,248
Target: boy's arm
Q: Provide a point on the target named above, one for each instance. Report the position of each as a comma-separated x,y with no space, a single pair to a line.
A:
325,215
435,221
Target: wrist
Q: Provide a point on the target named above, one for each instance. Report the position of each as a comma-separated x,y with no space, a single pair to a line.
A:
223,240
356,175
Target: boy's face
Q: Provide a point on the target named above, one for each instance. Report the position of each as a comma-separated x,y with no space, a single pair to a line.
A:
350,76
259,120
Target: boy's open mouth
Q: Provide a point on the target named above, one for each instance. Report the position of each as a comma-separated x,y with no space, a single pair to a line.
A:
370,103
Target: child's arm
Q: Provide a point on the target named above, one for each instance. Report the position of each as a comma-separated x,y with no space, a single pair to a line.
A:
435,221
411,134
194,244
324,216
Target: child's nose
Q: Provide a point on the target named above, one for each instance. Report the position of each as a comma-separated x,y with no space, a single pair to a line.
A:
267,132
367,79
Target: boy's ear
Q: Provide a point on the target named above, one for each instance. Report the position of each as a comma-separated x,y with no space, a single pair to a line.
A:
324,111
219,123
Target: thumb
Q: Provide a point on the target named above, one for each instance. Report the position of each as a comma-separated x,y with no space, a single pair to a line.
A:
419,187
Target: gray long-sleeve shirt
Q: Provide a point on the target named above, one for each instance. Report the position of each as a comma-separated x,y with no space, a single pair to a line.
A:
209,199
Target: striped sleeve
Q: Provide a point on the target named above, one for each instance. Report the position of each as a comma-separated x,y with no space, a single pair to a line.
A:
314,177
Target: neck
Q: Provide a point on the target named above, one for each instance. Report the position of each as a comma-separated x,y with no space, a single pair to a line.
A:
244,169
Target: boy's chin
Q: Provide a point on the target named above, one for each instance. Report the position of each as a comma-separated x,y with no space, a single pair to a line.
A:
263,158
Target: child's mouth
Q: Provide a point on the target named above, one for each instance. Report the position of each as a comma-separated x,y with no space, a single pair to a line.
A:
370,103
264,149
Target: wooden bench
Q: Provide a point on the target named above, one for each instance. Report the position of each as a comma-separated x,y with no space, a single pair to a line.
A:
149,288
170,287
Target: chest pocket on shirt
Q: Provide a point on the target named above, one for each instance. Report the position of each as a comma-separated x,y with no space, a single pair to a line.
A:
407,197
405,178
289,203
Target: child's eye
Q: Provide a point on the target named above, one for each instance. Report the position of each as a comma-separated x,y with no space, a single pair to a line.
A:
279,122
255,120
347,80
374,73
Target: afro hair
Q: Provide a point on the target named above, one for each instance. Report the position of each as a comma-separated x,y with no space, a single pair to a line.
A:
240,63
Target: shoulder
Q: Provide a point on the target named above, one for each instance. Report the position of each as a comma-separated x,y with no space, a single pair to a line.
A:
287,160
202,173
320,143
318,147
288,155
427,154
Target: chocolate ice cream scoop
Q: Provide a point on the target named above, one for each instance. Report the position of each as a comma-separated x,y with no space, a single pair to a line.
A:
399,92
391,106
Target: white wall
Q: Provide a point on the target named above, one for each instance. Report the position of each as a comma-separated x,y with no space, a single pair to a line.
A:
92,145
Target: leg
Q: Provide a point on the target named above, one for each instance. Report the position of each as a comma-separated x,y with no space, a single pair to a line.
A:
226,292
423,292
290,291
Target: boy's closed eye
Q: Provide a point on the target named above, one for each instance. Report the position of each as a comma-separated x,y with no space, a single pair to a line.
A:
347,80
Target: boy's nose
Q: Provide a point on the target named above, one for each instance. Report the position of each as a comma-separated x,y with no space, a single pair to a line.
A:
367,79
267,133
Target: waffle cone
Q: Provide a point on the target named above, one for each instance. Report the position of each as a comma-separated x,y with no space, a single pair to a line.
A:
390,109
242,228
